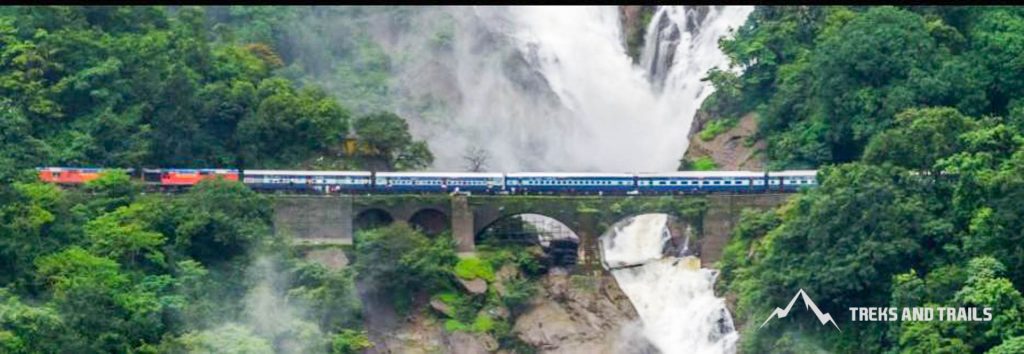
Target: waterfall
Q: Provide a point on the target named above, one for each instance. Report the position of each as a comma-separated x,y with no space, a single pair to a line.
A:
673,297
553,89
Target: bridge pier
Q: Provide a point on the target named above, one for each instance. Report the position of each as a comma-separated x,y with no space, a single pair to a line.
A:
312,219
586,229
462,224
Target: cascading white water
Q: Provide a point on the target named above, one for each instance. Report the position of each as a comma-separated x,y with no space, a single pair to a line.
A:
675,301
552,88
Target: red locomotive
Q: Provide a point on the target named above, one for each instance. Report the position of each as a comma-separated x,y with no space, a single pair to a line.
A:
158,177
186,177
68,175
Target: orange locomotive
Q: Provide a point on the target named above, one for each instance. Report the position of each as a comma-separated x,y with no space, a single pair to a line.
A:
186,177
68,175
160,177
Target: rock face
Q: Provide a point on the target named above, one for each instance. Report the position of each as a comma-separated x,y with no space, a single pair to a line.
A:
577,314
476,286
729,149
419,332
634,20
332,258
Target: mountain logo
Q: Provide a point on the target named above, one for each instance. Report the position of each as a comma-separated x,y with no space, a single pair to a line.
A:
808,303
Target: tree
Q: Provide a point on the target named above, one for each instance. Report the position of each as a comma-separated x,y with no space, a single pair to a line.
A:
219,220
229,338
331,295
921,137
1009,346
476,159
399,261
105,309
126,235
387,137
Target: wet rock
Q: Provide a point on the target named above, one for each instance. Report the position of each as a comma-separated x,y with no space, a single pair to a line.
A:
576,314
466,343
441,307
500,312
476,286
729,149
333,258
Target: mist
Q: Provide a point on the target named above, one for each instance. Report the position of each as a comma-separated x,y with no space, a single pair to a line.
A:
537,88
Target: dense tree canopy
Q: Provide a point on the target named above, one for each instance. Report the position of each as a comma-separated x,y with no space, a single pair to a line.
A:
148,86
824,80
918,108
107,268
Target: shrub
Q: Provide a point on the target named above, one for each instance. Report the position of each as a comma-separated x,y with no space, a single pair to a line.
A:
716,127
473,267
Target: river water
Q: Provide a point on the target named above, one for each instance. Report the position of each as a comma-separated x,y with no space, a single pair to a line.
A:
673,297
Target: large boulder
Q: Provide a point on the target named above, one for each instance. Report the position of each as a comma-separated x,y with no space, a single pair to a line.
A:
476,286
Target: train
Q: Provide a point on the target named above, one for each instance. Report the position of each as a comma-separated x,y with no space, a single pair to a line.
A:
365,182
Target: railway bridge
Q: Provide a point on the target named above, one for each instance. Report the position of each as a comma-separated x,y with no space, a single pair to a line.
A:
336,219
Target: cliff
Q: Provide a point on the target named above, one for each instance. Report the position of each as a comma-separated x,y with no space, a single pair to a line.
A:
731,149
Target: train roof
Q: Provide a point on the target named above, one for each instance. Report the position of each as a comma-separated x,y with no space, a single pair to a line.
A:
570,174
441,174
794,173
190,170
305,173
86,169
699,174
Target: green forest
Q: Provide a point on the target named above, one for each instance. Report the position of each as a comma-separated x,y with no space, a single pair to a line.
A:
156,87
914,118
109,269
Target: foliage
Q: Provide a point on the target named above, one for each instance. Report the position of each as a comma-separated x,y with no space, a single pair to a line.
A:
386,138
703,163
157,87
716,127
116,271
330,295
825,80
349,341
218,220
230,338
470,268
1012,345
917,106
398,261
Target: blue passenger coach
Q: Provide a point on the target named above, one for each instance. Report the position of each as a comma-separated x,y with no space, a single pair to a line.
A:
438,182
585,183
700,181
792,180
309,181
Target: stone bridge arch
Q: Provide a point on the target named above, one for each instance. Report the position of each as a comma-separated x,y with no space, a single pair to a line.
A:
430,221
371,218
480,229
559,241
